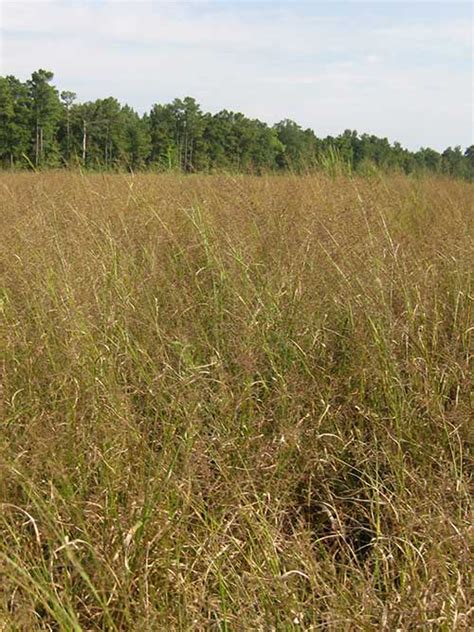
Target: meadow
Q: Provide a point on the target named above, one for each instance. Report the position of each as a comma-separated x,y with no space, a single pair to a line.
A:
235,403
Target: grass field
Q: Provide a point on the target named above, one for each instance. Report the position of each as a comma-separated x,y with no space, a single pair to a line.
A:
235,403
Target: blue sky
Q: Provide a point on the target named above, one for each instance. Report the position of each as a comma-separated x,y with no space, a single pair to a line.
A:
392,68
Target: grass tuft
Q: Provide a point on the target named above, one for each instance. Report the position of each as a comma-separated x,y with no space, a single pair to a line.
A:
235,403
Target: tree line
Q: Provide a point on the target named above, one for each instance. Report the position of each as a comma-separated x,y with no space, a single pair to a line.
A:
41,127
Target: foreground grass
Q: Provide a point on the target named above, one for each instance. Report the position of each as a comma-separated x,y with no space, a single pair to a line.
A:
235,403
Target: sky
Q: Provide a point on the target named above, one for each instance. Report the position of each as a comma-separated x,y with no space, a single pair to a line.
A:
390,68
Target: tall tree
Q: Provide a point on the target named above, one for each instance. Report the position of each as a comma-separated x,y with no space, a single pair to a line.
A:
189,134
163,150
67,99
136,138
46,110
7,114
452,161
222,140
469,160
17,131
299,146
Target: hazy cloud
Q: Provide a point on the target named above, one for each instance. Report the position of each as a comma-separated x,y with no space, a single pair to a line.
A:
396,69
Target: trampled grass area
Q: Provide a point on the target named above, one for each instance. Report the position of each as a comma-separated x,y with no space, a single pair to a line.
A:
235,403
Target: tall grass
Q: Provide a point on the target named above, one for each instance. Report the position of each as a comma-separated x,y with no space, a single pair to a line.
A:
235,403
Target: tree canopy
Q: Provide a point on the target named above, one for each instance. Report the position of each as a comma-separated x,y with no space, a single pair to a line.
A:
40,127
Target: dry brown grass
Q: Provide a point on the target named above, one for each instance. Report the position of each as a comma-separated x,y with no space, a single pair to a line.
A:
235,403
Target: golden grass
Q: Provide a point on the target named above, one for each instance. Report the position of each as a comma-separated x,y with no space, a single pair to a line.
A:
235,403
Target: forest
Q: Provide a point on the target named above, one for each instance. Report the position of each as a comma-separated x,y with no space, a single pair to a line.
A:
41,127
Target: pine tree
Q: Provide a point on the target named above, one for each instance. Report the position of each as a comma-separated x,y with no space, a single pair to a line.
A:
46,111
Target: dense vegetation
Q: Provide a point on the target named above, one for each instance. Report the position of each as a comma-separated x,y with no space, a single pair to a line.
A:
235,402
41,128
